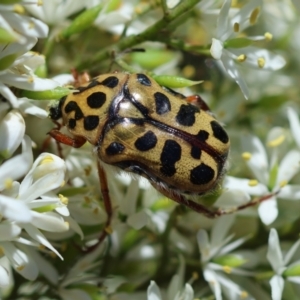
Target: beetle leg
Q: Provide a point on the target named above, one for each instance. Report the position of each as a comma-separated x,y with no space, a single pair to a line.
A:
67,140
181,199
106,200
197,101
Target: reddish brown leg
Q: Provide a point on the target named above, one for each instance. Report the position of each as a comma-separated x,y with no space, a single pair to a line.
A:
75,142
107,206
106,200
204,210
198,101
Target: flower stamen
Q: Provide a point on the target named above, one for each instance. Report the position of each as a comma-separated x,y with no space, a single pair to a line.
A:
246,156
254,15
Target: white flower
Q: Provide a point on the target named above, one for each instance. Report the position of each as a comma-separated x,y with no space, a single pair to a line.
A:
55,12
279,263
214,249
271,176
234,52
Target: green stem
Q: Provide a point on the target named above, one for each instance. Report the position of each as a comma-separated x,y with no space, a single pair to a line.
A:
150,34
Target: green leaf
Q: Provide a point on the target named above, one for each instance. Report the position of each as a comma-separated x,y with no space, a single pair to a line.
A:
82,22
152,58
9,2
273,176
237,43
55,94
292,271
6,37
174,81
230,260
7,61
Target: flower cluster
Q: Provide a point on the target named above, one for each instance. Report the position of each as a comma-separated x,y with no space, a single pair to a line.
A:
66,233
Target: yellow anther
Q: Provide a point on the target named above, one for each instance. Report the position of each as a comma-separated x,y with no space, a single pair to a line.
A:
31,25
63,199
48,159
87,199
227,269
253,182
261,62
254,15
67,225
87,170
1,252
20,268
246,156
96,210
195,275
189,71
283,183
276,142
236,27
19,9
268,36
244,295
40,3
42,247
63,247
241,58
53,255
8,183
62,183
30,79
109,230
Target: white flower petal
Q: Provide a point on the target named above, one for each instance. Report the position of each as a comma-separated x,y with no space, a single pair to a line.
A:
216,49
289,167
277,285
204,244
245,185
153,292
27,107
138,220
9,230
12,129
223,24
188,292
20,261
27,26
211,278
10,208
233,71
28,82
258,163
268,211
4,277
221,229
8,94
232,198
49,221
39,237
274,254
294,124
74,226
17,166
290,192
291,253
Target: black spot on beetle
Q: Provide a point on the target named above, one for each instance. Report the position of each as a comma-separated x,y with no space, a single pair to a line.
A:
196,152
55,112
186,114
143,79
170,154
96,100
202,174
202,135
146,142
72,123
90,122
110,82
162,103
114,148
73,106
219,132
